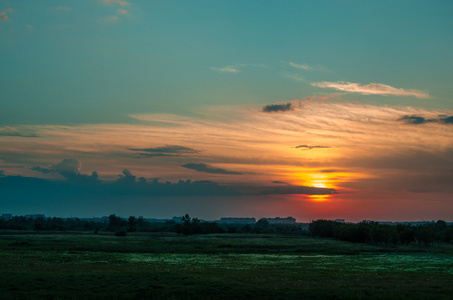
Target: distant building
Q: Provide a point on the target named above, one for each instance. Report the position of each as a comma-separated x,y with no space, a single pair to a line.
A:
278,220
238,221
6,217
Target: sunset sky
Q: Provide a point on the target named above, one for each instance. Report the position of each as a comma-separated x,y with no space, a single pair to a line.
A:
309,109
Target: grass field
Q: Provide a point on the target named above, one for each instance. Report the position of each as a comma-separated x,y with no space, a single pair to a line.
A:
144,266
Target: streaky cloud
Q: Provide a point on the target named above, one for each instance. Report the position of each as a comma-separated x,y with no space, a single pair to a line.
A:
120,2
227,69
208,169
168,150
173,149
308,147
371,89
277,107
418,120
298,66
10,131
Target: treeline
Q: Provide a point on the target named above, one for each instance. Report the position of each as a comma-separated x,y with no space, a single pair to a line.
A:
121,227
381,234
114,224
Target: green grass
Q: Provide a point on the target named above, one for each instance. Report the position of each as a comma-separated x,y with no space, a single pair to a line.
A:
143,266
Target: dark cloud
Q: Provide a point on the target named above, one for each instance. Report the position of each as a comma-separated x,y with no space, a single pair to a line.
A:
290,190
41,169
142,155
208,169
277,107
2,173
168,150
413,120
417,120
69,169
447,120
279,182
308,147
127,177
328,171
10,131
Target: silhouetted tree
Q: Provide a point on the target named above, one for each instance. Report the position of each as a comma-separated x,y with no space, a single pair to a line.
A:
131,224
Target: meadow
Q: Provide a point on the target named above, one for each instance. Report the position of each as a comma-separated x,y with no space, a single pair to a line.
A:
80,265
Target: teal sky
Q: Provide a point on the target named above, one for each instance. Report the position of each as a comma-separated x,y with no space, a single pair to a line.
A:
86,62
315,109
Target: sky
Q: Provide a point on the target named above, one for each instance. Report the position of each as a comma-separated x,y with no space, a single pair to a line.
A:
310,109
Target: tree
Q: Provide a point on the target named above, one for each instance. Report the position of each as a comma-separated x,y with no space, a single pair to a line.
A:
131,224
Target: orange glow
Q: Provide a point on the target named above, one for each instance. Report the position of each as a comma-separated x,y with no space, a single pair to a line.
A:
319,198
327,180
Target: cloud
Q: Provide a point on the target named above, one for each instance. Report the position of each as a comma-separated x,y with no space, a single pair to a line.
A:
413,120
328,171
120,2
4,14
127,177
308,147
110,19
295,190
168,150
236,68
279,182
208,169
370,145
370,89
122,11
10,131
447,120
417,120
277,107
69,169
227,69
2,173
60,9
41,169
303,67
173,149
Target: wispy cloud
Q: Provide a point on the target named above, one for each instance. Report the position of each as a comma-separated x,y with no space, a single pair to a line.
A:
298,66
11,131
307,67
4,14
209,169
236,68
122,11
227,69
120,2
370,89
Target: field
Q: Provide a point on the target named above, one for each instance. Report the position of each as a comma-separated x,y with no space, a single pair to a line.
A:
166,266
